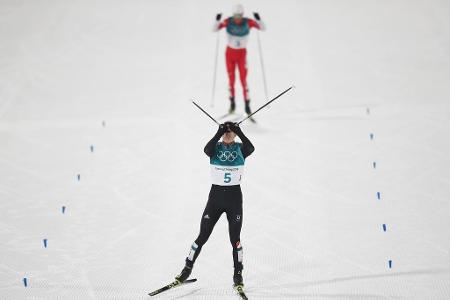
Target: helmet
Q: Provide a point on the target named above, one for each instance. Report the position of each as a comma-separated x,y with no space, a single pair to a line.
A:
238,9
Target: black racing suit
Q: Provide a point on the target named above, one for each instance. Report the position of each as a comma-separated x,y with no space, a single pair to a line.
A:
223,199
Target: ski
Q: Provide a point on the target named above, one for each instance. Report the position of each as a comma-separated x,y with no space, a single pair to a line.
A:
240,290
170,286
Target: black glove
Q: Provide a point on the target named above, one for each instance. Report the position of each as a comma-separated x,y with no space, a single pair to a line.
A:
235,128
222,129
218,17
228,125
257,17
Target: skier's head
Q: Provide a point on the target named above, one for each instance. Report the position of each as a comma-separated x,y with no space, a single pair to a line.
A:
238,12
229,136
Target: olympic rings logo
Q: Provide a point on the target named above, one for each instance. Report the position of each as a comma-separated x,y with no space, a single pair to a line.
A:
227,155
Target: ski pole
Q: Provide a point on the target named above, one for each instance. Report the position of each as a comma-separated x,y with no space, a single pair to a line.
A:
262,66
281,94
198,106
215,71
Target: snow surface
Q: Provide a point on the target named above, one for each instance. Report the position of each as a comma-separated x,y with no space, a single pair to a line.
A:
313,223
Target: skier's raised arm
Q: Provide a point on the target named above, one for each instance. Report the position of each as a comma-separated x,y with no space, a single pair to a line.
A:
257,23
247,146
210,146
218,24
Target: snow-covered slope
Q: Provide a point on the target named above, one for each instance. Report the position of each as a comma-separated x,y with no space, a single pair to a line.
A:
118,75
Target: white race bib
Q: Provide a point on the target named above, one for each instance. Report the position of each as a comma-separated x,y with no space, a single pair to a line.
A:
226,175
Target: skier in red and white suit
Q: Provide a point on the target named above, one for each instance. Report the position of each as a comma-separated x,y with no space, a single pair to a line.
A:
238,29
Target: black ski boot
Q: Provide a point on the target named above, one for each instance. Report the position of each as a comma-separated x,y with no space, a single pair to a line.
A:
186,272
248,111
237,278
232,105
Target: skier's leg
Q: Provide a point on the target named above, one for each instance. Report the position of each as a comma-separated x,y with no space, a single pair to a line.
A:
235,218
243,77
210,216
209,220
231,70
242,65
234,226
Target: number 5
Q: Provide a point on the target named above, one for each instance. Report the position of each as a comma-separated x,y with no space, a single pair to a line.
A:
227,178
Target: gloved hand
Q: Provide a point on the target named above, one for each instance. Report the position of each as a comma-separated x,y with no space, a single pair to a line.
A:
234,127
227,125
218,17
257,17
222,129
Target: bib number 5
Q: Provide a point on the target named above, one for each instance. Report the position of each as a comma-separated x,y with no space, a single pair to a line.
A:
227,178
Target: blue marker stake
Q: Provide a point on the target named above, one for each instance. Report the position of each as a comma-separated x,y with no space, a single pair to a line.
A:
45,243
25,282
378,195
92,148
371,136
79,177
374,164
384,227
63,209
390,264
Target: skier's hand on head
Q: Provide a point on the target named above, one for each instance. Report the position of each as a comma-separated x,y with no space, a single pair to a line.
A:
235,128
222,129
228,125
257,17
218,17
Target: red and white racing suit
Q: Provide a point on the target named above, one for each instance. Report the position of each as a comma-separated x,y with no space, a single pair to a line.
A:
236,52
